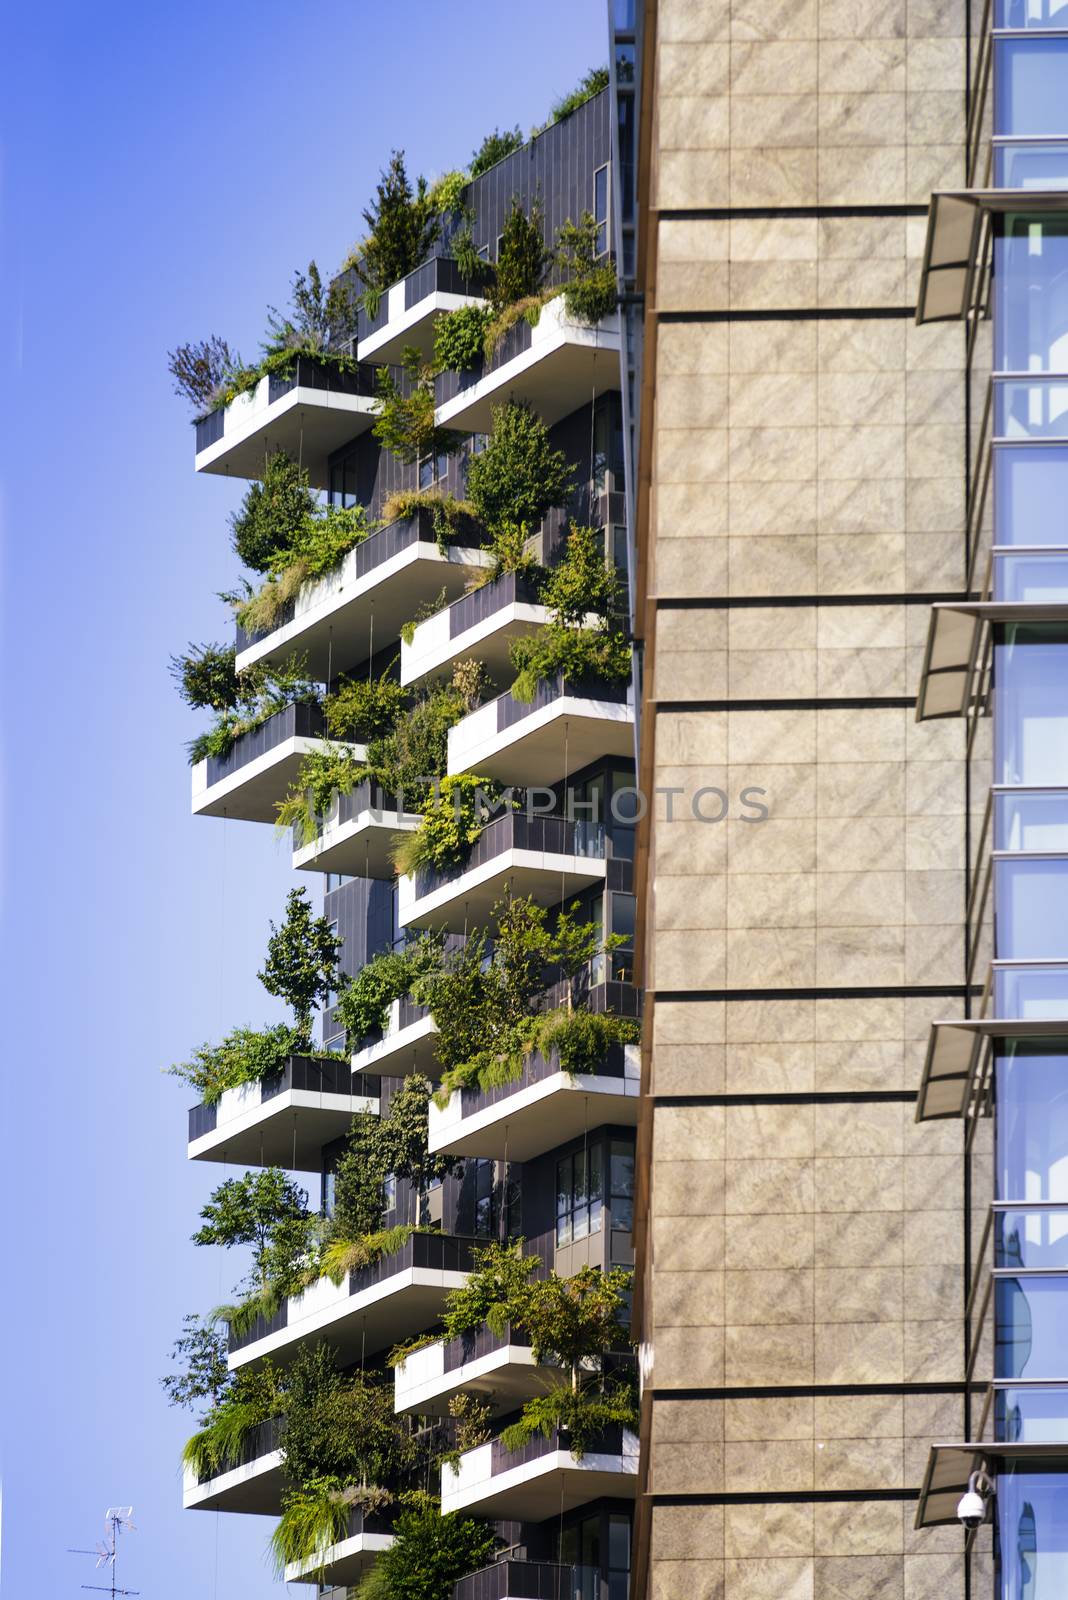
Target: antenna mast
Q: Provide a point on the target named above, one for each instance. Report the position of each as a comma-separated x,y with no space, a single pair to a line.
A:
117,1519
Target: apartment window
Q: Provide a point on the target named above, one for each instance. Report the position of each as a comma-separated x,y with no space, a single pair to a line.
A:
1030,709
336,880
600,208
624,63
342,490
621,1184
624,907
579,1190
433,468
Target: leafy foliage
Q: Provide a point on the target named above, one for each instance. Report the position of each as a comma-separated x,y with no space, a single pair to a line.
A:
416,749
257,695
404,412
459,336
272,513
447,194
576,1319
518,477
302,960
265,1210
583,583
340,1426
252,1398
594,81
573,652
429,1554
494,147
591,291
452,821
365,708
363,1006
585,1413
201,369
394,1143
402,225
320,316
200,1352
313,1519
318,546
522,256
451,516
207,677
246,1055
528,308
324,772
499,1274
581,1039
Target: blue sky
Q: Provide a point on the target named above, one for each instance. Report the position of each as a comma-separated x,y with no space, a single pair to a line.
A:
163,171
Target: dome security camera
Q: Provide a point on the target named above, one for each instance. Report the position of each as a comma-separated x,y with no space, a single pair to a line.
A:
971,1508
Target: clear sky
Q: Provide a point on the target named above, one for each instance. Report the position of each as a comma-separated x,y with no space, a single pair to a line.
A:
164,168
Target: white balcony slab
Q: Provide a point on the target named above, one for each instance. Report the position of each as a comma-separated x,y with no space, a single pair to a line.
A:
545,876
543,746
566,365
344,618
410,325
402,1049
537,1116
340,1564
541,1487
433,649
255,1487
286,1130
507,1377
360,844
253,791
309,424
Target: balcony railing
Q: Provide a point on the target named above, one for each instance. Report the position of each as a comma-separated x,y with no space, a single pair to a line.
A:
306,372
515,831
262,1440
434,1252
536,1068
375,550
441,274
447,385
511,711
512,588
210,428
302,720
314,1076
467,1347
609,1442
530,1580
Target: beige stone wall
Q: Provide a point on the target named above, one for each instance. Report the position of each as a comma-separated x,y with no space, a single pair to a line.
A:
806,1236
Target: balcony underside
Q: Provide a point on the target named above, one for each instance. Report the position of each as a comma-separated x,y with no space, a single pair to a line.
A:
308,424
536,1118
343,1563
469,898
488,641
348,621
289,1130
506,1378
542,1488
414,326
256,1488
253,792
361,847
556,375
410,1049
542,748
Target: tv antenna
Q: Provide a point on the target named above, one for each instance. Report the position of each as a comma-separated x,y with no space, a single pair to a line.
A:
117,1519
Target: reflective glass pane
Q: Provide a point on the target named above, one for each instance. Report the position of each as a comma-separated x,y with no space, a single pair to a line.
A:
1026,410
1031,294
596,1188
1032,1534
1038,991
1031,1415
1030,707
1030,504
1030,165
1029,901
1029,1328
1031,577
1031,1128
1030,13
1027,1238
1029,78
1031,821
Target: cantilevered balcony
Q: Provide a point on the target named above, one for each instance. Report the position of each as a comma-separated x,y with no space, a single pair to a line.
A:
409,1044
542,1108
408,311
249,782
499,1368
255,1485
547,858
542,1479
344,1563
530,1580
309,412
481,625
555,366
357,835
569,724
373,1307
283,1120
340,620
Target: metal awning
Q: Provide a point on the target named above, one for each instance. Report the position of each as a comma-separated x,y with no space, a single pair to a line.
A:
953,1052
954,227
949,1467
952,649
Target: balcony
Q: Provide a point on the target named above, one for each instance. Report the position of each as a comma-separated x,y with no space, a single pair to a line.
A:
568,725
542,1479
543,1108
369,1533
260,768
375,1306
408,311
547,858
496,1367
309,413
408,1044
283,1120
357,834
255,1485
555,366
342,619
480,624
530,1580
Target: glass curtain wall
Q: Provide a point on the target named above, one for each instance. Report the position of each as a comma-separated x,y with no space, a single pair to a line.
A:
1030,800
